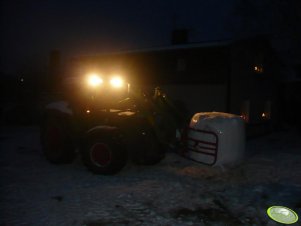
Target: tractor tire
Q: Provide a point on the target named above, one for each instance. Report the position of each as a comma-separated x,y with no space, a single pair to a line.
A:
57,139
147,149
103,154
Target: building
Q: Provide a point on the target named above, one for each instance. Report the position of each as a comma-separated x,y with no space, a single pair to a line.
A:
240,77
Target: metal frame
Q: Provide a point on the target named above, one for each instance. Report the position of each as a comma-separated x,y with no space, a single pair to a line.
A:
214,145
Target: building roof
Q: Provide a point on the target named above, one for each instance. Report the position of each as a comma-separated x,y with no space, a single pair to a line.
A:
166,48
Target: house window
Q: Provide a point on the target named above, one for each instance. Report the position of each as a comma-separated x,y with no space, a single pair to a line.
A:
266,114
245,110
181,64
258,68
258,63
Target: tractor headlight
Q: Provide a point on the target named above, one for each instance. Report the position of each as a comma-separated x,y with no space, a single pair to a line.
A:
116,82
94,80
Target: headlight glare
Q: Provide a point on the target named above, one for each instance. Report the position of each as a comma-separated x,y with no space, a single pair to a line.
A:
116,82
94,80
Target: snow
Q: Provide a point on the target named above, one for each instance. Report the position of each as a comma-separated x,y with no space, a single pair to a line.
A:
175,192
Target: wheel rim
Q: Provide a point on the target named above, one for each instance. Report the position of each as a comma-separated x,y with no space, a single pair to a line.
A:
100,154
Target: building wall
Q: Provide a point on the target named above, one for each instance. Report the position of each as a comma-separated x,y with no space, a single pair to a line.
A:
215,78
199,97
259,90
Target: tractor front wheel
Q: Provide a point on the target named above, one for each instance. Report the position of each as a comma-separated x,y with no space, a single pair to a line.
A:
147,150
103,155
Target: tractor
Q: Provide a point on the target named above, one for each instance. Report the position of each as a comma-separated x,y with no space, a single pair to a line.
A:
109,122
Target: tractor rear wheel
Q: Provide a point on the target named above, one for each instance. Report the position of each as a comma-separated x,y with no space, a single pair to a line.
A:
57,140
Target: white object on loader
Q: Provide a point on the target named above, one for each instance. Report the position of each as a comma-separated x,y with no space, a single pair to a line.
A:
220,133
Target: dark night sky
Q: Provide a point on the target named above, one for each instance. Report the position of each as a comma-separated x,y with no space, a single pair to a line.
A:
30,29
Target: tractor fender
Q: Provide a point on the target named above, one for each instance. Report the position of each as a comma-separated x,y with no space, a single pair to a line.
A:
59,109
60,106
104,131
102,128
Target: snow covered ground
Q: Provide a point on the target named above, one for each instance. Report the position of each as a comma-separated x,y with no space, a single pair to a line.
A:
174,192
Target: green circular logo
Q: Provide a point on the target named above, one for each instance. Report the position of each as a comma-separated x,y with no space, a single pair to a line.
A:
282,214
